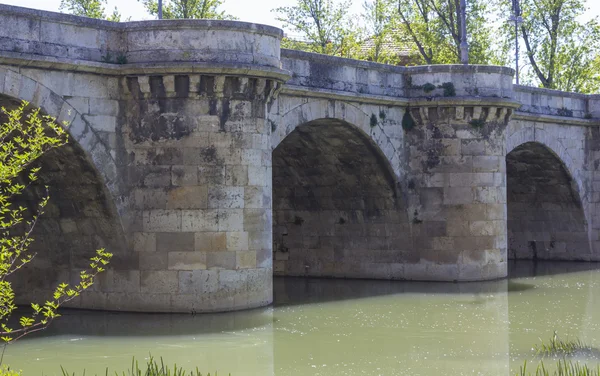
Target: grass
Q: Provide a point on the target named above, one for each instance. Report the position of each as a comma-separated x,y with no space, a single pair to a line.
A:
152,368
564,367
557,347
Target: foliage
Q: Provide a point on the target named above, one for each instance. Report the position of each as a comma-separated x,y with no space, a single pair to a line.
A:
188,9
558,347
323,25
429,87
89,8
561,52
434,28
153,368
477,123
24,138
563,368
7,371
408,122
379,20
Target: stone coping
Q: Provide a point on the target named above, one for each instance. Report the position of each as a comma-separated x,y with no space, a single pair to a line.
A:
553,92
193,67
141,25
449,68
554,119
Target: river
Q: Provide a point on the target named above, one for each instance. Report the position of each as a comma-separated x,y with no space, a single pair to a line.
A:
341,327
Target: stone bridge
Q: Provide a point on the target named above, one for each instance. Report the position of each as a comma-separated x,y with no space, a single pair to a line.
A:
207,159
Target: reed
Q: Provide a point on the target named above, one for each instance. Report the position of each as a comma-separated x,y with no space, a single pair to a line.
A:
564,367
152,368
557,347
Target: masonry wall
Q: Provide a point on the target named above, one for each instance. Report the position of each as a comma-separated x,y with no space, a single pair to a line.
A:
335,206
379,171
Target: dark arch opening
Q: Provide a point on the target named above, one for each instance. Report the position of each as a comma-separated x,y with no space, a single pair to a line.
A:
79,218
545,214
336,210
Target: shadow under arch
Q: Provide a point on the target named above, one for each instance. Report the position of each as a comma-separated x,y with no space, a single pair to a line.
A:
545,214
80,218
337,210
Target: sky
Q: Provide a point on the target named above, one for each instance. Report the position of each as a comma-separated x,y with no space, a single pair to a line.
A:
258,11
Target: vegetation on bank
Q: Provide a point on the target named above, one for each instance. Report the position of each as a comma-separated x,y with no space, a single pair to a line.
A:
563,350
152,368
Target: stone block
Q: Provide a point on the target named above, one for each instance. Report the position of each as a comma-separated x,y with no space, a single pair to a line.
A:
199,220
255,197
487,163
184,176
212,175
472,147
159,281
225,197
189,197
458,195
150,198
251,157
211,241
237,241
199,282
162,220
221,260
230,220
257,176
246,259
175,241
187,260
153,260
120,281
144,242
257,220
236,175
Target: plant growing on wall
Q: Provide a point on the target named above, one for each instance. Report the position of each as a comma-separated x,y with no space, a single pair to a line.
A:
25,136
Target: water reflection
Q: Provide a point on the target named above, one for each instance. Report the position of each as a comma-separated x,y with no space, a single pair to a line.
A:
343,327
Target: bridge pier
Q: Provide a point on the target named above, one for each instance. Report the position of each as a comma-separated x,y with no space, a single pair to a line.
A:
459,207
382,171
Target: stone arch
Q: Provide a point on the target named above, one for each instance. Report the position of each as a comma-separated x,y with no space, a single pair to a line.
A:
314,109
81,215
22,88
546,216
336,208
556,147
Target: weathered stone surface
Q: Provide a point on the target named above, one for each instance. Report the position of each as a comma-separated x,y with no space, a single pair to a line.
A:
211,168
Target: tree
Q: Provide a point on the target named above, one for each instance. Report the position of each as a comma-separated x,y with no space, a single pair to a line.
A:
194,9
89,8
434,26
379,19
24,138
561,52
323,26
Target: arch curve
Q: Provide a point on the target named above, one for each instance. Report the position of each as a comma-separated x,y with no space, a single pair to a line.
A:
336,207
546,217
553,145
81,215
315,109
22,88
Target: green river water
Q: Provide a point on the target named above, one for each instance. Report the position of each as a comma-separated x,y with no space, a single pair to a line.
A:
341,327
